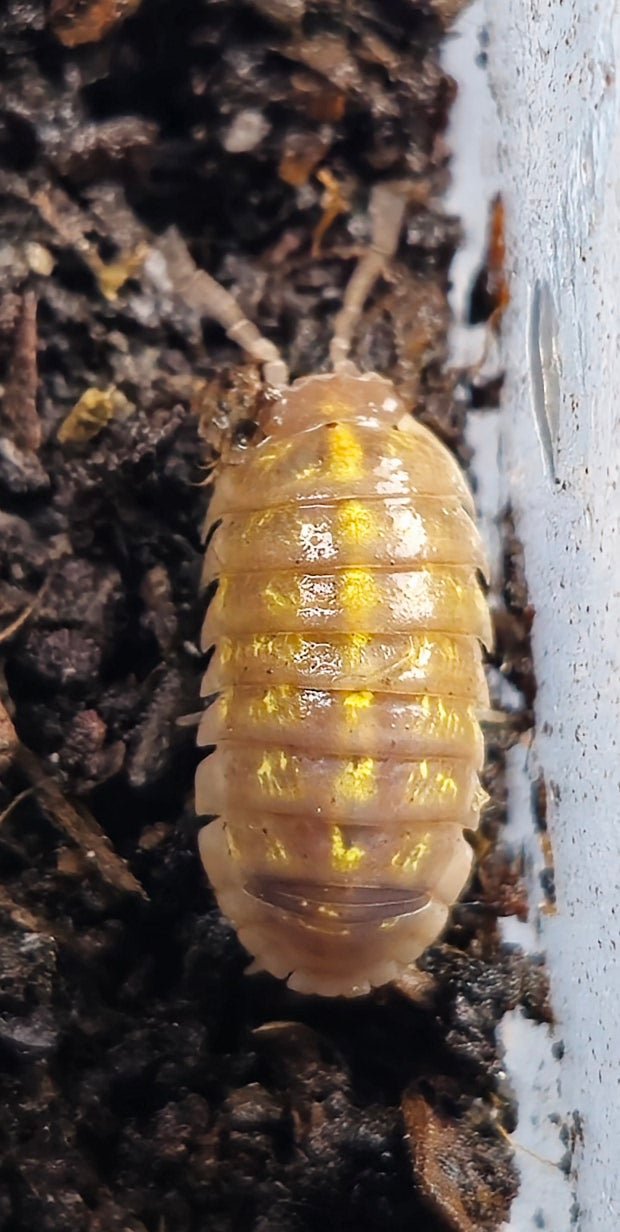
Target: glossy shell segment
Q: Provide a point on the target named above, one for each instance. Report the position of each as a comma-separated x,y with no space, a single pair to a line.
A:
442,665
351,722
369,533
341,461
362,790
434,598
345,685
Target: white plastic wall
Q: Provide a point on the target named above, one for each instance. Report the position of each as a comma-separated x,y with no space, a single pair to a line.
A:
553,452
553,66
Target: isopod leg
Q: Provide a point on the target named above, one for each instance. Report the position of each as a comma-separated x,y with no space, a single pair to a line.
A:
387,208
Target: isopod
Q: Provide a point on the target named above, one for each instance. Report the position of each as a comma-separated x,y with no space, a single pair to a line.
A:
346,674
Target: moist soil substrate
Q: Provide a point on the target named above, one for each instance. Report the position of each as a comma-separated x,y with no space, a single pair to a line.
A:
146,1082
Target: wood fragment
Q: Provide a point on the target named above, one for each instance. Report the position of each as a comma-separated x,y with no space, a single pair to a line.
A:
22,917
8,742
417,986
443,1167
37,923
15,802
334,203
497,287
10,630
80,826
19,409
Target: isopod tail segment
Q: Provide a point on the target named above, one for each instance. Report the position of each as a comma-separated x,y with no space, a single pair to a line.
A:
346,677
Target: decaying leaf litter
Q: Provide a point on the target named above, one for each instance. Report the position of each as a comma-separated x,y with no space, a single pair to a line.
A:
147,1084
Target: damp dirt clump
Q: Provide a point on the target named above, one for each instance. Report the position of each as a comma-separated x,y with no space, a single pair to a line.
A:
147,1084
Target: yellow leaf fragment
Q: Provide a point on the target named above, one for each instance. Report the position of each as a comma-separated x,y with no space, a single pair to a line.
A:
95,409
112,276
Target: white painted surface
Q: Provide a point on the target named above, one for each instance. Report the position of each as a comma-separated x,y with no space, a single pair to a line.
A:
554,68
557,442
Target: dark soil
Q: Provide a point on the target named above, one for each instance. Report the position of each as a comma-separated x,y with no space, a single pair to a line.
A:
146,1083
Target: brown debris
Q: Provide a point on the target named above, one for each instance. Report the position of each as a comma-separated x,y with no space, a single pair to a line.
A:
319,101
503,883
8,740
111,148
289,12
301,154
497,282
154,741
156,593
88,759
329,56
87,21
21,916
447,10
417,986
491,292
539,806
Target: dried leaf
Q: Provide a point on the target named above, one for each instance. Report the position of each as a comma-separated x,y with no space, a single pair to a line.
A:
87,21
455,1166
113,276
320,101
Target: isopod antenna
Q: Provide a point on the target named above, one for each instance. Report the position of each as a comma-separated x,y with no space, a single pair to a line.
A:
224,309
387,206
213,300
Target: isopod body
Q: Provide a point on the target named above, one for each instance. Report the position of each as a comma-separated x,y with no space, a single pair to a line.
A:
347,625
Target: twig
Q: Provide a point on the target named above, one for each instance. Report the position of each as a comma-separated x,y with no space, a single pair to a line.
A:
80,826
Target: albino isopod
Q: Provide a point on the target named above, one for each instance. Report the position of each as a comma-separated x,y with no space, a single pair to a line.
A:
347,670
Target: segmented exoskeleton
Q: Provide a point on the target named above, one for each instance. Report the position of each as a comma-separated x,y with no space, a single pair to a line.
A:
347,671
